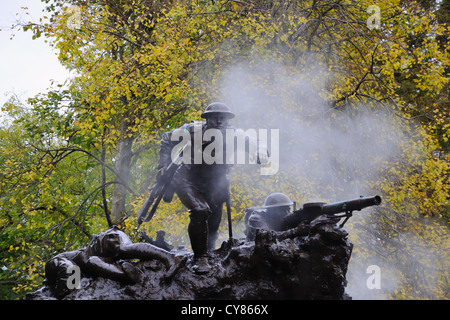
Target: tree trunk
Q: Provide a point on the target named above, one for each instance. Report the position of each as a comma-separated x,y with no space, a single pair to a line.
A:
122,167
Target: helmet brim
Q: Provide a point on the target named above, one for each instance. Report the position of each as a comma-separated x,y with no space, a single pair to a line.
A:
278,205
228,114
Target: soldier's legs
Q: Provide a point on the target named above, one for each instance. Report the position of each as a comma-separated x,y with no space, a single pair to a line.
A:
213,225
215,194
198,231
199,212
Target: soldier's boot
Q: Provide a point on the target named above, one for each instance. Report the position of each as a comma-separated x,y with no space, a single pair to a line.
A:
201,264
198,235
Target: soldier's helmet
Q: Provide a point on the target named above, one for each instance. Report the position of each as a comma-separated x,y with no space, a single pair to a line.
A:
277,199
218,107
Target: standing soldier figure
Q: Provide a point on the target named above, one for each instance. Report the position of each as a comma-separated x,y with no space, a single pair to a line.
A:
202,188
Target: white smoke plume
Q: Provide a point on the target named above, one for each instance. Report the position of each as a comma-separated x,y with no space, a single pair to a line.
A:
332,154
337,150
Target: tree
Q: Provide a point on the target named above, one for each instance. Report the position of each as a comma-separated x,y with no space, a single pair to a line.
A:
82,156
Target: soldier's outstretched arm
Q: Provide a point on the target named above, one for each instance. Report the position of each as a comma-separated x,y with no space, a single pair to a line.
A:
147,251
99,266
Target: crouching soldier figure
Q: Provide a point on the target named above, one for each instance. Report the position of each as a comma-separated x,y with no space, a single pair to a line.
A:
270,216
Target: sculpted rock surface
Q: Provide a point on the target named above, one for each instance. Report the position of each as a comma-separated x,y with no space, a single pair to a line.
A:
305,263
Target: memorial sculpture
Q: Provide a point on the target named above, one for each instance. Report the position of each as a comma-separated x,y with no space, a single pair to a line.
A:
276,215
202,187
308,261
106,256
287,254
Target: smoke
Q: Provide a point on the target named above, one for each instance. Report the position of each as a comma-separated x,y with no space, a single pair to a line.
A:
325,153
331,152
409,267
372,280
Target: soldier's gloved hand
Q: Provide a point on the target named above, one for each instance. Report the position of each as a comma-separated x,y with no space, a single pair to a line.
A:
263,159
263,154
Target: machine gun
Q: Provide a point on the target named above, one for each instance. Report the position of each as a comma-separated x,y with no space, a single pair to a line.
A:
337,210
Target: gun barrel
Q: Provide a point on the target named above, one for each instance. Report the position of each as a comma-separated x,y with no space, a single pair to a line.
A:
351,205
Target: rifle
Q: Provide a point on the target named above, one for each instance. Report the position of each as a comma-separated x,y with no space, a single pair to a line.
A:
338,210
228,204
159,189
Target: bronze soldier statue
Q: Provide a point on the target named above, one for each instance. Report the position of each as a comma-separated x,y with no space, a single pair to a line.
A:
276,215
201,187
196,170
270,216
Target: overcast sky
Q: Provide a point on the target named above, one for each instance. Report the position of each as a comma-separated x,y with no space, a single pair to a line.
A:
26,65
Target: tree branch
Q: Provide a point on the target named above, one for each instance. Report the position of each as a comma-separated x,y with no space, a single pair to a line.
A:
75,149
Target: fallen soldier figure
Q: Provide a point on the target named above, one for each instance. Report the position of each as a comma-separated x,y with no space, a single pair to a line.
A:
102,258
